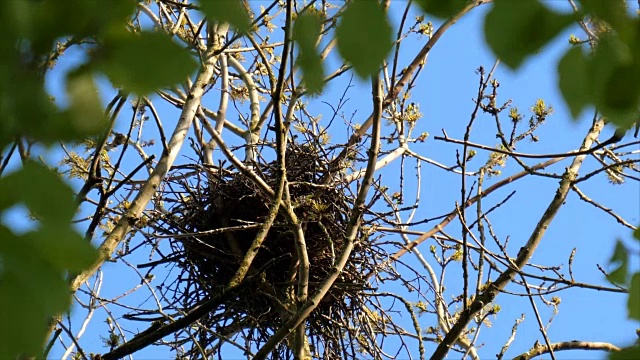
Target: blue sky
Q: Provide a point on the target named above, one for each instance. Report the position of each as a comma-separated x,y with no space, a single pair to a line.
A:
444,91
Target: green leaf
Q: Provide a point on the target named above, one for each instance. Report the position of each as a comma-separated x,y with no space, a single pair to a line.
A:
619,259
44,22
41,190
364,37
629,353
306,31
442,9
85,112
62,247
33,266
144,62
31,291
614,12
517,29
616,81
633,302
227,11
575,81
25,108
636,233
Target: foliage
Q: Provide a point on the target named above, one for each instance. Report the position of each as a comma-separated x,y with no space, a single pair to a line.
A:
620,275
364,37
516,30
34,265
131,62
231,12
306,32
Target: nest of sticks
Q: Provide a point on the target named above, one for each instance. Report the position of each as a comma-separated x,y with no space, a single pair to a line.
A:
216,217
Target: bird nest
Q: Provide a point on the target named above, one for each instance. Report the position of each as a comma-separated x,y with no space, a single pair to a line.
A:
217,214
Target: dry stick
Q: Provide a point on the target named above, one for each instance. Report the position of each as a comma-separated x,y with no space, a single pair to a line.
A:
449,217
222,106
463,190
156,333
208,232
347,179
156,118
567,345
91,311
74,340
481,174
216,35
245,170
242,271
569,283
8,157
525,252
538,319
50,344
524,155
179,103
406,77
479,216
609,211
398,42
93,178
506,345
252,135
435,283
351,233
149,188
437,164
301,345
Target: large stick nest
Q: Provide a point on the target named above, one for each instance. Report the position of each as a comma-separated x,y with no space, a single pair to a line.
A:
224,210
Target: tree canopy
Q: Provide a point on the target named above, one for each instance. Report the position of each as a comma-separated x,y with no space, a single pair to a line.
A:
255,216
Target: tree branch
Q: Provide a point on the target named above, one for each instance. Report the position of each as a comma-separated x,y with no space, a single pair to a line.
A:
351,233
525,252
540,349
150,186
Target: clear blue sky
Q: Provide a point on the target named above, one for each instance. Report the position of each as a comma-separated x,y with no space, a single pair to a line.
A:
444,92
